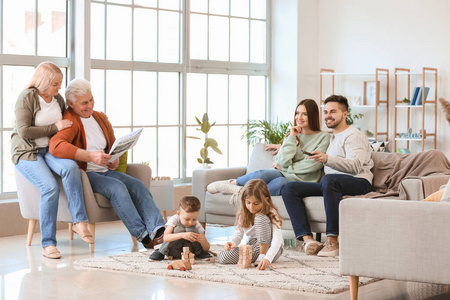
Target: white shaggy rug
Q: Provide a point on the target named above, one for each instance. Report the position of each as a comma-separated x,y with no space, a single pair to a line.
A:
294,270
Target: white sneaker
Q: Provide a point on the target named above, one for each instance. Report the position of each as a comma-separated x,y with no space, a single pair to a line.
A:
329,250
311,247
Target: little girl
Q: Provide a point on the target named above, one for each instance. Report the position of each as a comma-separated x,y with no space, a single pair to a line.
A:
260,220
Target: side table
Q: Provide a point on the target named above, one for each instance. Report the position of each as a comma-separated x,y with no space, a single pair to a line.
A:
163,194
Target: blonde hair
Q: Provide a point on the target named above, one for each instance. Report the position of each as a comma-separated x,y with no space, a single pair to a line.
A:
43,76
258,189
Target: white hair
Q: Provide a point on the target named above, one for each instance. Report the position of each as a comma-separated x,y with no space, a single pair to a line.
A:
77,87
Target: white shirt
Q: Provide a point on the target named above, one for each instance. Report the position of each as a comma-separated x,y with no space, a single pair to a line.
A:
95,141
50,113
349,153
175,220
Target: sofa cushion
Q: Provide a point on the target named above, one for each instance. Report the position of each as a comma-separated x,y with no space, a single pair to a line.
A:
260,158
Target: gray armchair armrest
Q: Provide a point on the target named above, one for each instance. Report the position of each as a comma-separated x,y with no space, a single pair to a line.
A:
395,239
201,178
414,188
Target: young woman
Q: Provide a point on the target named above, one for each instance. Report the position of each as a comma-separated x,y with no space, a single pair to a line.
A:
261,222
291,162
38,112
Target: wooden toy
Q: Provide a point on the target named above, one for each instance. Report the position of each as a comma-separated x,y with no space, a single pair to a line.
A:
179,265
170,257
186,255
245,257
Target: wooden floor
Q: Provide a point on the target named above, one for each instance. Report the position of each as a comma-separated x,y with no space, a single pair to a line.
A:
26,274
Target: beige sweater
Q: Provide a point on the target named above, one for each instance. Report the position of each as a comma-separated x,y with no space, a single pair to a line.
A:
25,131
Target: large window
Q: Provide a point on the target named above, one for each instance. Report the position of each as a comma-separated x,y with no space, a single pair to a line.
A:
152,63
167,62
32,31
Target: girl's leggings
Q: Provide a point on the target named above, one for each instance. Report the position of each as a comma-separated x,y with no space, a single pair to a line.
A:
263,228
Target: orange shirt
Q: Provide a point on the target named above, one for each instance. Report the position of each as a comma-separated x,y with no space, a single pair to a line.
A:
65,143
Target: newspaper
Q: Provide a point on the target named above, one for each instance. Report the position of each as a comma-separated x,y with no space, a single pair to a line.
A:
123,144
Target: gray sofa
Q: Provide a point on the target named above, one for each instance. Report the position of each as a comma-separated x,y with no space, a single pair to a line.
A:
216,208
392,239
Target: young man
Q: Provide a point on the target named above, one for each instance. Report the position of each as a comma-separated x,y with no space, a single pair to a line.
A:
347,165
184,230
88,141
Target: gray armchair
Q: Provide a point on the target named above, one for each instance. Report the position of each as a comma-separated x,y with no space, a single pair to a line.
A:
98,208
394,239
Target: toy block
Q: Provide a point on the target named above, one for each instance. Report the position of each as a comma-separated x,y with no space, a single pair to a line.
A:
211,259
170,257
245,257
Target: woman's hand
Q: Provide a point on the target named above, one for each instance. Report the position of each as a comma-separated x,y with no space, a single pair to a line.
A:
113,165
275,147
228,246
277,166
263,264
63,124
295,130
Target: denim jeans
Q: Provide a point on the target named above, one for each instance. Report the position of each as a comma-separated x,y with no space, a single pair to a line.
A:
273,178
131,200
332,188
39,172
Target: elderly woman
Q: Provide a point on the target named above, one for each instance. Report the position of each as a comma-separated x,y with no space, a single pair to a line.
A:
88,141
38,111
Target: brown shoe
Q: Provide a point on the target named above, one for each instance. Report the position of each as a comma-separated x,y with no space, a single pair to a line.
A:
51,252
86,236
156,241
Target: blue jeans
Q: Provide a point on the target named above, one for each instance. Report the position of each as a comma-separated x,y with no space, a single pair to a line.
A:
332,188
273,178
39,172
131,200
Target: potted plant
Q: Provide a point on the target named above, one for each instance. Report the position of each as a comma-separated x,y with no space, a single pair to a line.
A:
266,131
351,117
205,126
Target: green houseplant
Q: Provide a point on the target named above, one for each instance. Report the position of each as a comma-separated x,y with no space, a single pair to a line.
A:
351,117
266,131
205,126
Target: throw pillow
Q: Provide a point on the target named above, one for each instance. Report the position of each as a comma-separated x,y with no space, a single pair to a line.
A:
435,197
123,163
260,158
446,195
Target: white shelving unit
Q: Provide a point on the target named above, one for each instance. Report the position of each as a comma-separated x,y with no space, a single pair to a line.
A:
413,110
377,76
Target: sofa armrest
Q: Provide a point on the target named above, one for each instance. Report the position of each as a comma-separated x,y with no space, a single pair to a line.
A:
413,188
140,171
201,178
395,239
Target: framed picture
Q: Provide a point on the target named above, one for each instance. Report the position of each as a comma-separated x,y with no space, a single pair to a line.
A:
370,92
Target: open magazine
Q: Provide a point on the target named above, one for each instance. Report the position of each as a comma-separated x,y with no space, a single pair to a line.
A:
124,143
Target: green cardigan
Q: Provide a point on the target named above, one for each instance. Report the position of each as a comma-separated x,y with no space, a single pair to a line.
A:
296,165
25,132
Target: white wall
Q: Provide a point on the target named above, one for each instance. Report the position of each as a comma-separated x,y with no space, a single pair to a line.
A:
358,36
284,77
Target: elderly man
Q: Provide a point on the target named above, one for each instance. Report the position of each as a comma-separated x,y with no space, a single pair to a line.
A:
88,141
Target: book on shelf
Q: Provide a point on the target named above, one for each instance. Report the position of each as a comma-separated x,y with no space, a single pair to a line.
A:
419,98
415,95
403,150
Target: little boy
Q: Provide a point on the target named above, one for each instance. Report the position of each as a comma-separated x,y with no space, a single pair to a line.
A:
184,230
